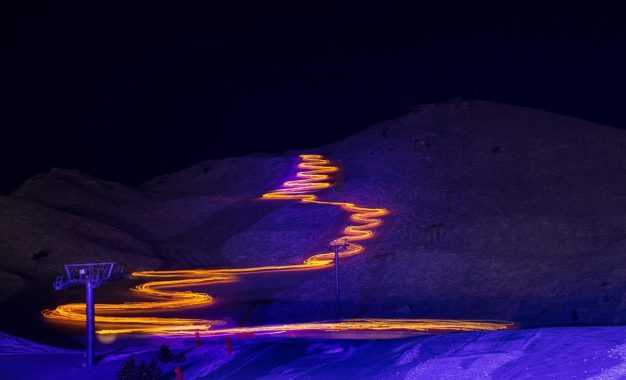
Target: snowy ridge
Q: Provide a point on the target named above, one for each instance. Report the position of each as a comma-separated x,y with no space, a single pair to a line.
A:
11,345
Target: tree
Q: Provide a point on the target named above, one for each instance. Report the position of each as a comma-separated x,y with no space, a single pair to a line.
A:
128,371
131,371
150,371
164,355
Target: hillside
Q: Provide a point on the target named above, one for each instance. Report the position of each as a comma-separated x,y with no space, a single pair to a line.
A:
532,208
536,231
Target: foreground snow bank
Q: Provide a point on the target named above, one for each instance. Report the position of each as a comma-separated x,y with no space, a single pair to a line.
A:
554,353
559,353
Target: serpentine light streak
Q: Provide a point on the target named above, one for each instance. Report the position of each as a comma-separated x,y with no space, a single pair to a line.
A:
314,176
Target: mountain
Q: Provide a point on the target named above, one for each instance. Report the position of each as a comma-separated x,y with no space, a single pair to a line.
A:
531,209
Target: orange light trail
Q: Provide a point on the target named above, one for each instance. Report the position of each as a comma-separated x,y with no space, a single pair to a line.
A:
314,175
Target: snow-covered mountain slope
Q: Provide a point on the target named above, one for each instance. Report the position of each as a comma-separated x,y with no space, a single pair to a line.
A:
531,208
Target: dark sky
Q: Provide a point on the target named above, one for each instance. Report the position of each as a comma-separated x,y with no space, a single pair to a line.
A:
130,92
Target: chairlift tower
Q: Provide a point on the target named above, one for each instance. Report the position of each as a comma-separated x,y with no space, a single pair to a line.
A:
337,245
91,275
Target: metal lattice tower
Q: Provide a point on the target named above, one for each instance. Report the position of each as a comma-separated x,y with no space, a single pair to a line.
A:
92,275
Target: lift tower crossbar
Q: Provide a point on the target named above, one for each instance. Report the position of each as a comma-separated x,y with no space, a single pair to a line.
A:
91,275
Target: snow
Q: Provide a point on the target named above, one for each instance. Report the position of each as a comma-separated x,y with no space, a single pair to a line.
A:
536,232
536,235
12,345
547,353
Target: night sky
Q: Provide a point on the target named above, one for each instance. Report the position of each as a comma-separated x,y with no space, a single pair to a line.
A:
130,92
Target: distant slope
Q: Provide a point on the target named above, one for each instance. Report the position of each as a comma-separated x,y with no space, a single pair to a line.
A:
536,231
212,218
27,228
537,227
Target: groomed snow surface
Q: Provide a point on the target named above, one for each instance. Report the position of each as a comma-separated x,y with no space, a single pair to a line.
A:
548,353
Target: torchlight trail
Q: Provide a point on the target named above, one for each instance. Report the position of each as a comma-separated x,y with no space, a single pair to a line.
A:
314,176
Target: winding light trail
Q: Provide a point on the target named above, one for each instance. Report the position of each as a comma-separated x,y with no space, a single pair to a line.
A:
165,294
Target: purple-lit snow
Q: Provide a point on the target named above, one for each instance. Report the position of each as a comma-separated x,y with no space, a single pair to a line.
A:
549,353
